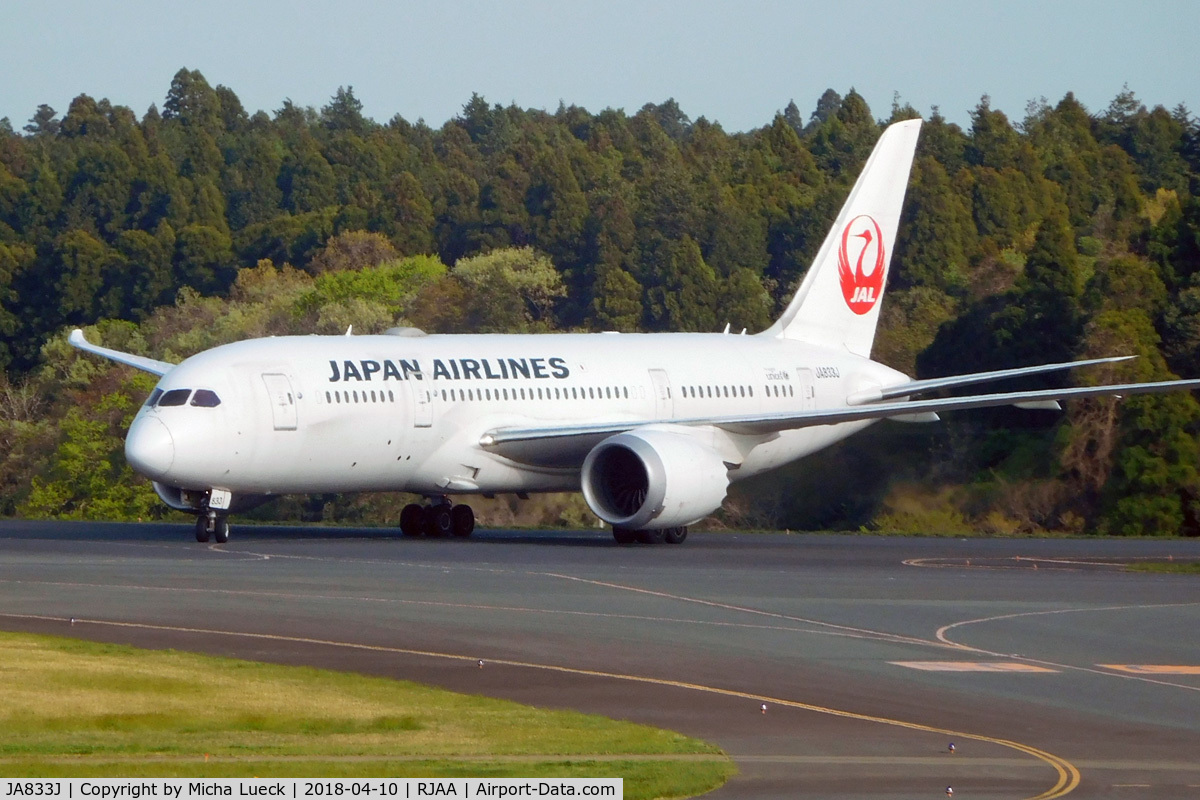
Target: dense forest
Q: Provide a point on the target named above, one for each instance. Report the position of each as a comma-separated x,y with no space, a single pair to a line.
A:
1070,233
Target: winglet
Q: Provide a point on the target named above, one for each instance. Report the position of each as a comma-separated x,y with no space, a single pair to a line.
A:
77,340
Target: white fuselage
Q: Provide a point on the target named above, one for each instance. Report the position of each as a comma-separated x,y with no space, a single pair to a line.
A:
306,414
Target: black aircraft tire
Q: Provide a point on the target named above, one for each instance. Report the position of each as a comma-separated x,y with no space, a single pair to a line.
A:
221,530
624,535
202,532
651,536
412,520
675,535
438,521
462,521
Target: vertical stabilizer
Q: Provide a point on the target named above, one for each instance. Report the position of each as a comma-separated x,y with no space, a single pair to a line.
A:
838,302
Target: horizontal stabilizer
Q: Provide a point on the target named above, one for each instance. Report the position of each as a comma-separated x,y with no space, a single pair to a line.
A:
913,388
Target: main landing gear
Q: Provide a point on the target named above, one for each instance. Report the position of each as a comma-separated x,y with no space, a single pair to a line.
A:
668,535
212,526
437,519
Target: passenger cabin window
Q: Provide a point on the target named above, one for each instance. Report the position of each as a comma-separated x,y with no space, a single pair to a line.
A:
206,398
175,397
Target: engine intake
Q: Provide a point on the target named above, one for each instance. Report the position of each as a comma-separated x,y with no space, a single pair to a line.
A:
653,478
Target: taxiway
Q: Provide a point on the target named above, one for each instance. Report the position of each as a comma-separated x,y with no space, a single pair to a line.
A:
1053,671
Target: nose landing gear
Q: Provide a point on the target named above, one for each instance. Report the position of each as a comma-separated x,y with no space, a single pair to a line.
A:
212,526
437,519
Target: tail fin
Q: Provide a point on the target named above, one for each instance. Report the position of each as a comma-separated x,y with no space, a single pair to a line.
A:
838,301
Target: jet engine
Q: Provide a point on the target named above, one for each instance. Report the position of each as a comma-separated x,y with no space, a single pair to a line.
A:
653,478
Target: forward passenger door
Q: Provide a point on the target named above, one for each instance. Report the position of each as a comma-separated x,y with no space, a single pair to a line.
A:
283,400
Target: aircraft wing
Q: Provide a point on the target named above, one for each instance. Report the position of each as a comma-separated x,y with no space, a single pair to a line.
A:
138,362
537,444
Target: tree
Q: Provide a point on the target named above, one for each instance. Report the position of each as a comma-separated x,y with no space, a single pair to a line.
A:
735,233
616,300
88,478
827,105
683,295
406,215
994,143
234,118
1039,320
743,302
43,123
944,142
1154,485
670,118
193,102
87,280
191,124
1181,329
841,143
1044,321
344,113
204,258
556,205
352,250
937,235
147,273
505,291
14,259
791,115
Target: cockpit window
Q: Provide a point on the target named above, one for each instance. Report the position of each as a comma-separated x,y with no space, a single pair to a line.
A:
206,398
175,397
153,398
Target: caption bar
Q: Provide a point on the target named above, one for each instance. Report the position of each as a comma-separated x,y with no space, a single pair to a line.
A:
300,788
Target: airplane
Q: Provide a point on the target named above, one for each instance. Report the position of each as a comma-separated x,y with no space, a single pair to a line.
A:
652,428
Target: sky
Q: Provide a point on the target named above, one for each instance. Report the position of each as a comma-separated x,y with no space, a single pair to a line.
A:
736,63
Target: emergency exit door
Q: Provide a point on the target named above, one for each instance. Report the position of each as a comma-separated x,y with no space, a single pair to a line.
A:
664,404
422,403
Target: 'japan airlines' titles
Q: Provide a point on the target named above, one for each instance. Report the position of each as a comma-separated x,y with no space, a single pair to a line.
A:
449,369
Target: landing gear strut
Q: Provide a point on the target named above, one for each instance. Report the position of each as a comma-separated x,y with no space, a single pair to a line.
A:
437,520
658,536
212,526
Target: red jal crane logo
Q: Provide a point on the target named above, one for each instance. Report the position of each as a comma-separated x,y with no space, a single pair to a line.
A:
862,287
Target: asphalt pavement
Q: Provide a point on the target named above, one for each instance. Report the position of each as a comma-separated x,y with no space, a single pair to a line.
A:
1052,670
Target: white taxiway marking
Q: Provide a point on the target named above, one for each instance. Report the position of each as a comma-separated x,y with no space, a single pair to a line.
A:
972,666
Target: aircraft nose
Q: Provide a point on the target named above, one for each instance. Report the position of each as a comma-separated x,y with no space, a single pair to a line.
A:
149,448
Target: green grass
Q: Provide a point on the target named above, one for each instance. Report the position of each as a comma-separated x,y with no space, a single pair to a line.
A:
80,709
1182,567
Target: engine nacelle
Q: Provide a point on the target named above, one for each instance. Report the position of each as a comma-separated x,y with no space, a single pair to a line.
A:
653,478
